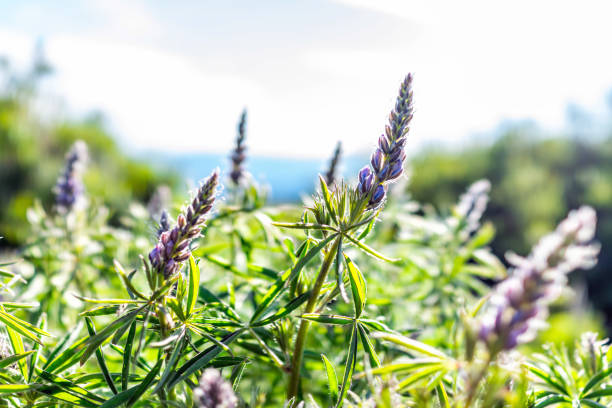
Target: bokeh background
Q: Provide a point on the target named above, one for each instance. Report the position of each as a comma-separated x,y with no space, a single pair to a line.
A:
516,92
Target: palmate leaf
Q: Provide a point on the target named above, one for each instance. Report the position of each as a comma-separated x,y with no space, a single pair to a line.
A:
202,359
596,379
131,395
96,341
286,277
547,378
22,327
212,300
283,311
70,387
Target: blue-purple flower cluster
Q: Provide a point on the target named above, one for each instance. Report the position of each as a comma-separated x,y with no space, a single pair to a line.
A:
520,303
238,155
69,187
173,245
214,392
387,161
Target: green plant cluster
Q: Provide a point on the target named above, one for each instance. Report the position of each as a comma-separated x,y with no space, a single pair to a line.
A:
538,178
362,298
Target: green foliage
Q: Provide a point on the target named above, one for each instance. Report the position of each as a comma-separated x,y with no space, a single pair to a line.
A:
537,180
342,303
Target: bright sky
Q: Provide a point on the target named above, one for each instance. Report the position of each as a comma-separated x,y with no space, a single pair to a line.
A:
175,75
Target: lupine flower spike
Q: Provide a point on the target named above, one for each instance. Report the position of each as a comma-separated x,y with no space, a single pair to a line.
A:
330,175
173,246
238,154
214,392
520,303
473,203
387,161
69,188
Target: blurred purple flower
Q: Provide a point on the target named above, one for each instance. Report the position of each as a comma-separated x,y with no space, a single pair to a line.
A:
69,187
520,303
214,392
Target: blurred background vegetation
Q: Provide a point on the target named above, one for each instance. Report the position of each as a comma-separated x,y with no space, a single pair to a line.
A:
32,149
536,178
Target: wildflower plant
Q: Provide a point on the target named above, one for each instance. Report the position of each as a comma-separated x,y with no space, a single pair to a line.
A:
369,300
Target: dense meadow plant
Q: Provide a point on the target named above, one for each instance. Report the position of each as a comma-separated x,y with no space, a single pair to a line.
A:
368,300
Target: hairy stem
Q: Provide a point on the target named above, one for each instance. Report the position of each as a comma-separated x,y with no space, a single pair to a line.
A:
300,341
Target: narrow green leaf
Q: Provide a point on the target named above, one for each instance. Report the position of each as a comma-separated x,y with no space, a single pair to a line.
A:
368,346
302,225
602,392
126,281
358,286
130,395
70,387
328,319
327,198
14,388
100,357
442,396
592,404
18,348
96,341
596,379
127,355
410,344
174,357
332,379
370,250
7,361
101,311
351,359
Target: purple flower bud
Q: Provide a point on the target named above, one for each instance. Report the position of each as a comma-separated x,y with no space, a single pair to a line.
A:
181,221
377,196
377,160
395,170
383,144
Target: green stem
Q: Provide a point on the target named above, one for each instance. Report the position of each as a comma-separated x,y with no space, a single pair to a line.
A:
300,341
